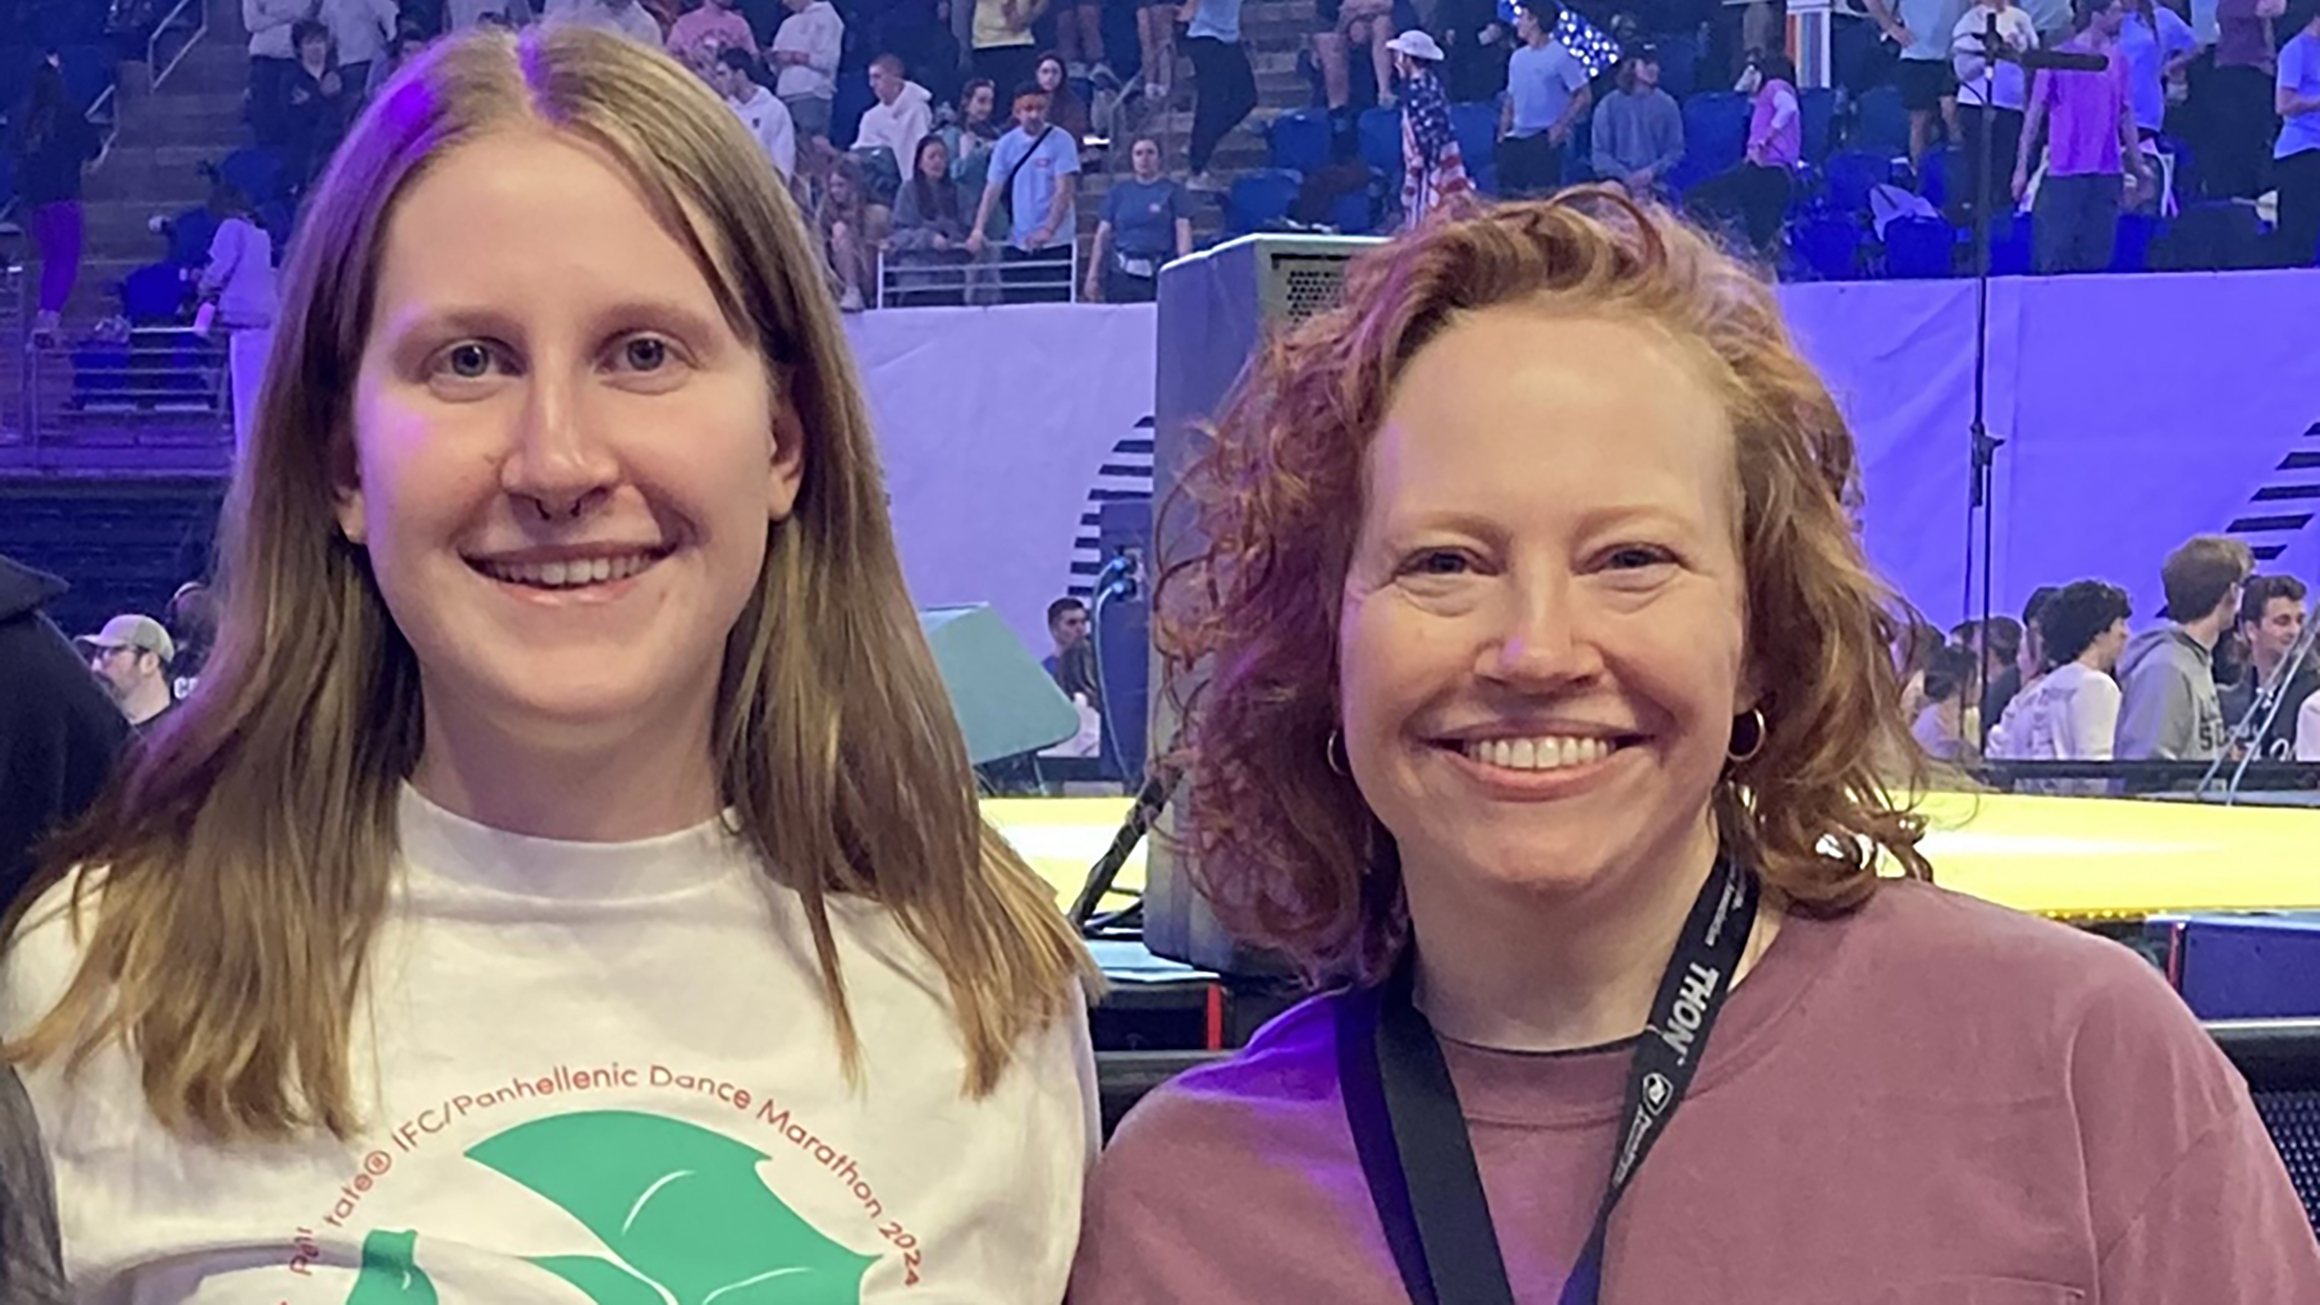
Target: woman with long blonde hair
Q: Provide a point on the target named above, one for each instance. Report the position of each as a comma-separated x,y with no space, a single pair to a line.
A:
567,882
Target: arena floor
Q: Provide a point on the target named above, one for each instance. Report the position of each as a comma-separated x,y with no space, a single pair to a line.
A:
2082,859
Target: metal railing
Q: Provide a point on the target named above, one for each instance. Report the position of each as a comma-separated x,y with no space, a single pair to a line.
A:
951,278
108,389
168,22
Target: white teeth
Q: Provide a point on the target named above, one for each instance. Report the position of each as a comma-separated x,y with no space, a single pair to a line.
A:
566,575
1553,752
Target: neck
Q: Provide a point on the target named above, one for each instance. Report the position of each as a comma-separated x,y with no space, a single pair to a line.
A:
1516,971
146,701
2206,630
578,784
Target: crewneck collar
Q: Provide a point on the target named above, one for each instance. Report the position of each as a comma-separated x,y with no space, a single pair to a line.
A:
438,843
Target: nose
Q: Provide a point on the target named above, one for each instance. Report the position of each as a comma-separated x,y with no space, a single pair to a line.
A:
558,466
1539,637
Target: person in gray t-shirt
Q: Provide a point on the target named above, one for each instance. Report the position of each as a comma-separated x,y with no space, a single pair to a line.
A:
1639,131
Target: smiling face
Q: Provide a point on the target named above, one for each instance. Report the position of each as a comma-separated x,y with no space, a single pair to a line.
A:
564,458
1542,633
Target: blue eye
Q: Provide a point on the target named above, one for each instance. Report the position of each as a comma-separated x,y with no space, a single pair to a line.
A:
645,353
468,361
1635,557
1440,561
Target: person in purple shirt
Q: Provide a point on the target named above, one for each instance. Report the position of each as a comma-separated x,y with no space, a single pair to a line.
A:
2088,119
1540,648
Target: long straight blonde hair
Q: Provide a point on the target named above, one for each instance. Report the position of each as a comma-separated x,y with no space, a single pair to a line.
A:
247,853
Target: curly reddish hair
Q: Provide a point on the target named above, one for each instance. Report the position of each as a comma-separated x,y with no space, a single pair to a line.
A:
1281,842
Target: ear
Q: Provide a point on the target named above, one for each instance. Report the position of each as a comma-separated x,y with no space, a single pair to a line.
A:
347,496
786,468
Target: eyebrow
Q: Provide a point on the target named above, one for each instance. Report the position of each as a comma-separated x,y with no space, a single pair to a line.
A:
459,321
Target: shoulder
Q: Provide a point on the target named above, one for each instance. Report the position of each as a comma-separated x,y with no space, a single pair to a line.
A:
1288,1071
1958,962
45,952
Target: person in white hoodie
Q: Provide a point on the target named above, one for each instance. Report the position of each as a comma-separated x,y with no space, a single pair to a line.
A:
759,109
239,282
2072,713
903,115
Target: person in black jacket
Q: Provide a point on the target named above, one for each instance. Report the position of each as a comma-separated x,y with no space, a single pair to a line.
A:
53,143
2271,619
59,733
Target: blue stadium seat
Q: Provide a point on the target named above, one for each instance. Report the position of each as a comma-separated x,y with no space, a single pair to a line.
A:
1260,199
1715,136
1818,106
1942,176
190,233
153,293
2133,251
1476,126
1579,153
1827,246
2010,247
1919,248
1299,140
16,65
259,174
1679,64
1381,140
88,70
1881,124
1852,174
1353,214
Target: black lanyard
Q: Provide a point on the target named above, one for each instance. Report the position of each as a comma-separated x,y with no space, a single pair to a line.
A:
1412,1138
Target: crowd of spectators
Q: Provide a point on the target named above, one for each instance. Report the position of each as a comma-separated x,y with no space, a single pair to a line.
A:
2223,673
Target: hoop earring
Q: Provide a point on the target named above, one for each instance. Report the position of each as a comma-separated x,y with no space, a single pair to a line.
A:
1758,729
1335,748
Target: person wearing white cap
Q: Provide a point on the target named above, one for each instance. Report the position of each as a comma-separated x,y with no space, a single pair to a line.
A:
131,657
1433,170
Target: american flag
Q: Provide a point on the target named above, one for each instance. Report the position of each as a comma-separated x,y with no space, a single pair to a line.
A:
1590,45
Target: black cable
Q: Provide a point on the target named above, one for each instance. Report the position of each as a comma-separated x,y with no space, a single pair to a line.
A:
1150,801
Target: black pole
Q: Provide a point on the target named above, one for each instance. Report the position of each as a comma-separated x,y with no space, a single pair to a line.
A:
1983,452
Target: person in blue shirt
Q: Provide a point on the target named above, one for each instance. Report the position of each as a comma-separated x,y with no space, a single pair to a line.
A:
1035,169
2296,155
1147,221
1546,97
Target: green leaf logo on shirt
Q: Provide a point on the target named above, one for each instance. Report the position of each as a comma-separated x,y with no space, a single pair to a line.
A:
390,1275
680,1208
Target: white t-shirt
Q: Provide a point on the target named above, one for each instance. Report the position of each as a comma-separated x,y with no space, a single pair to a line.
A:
769,123
2308,729
2070,715
602,1073
818,32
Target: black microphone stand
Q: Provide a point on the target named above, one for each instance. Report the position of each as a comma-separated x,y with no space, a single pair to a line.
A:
1982,453
1983,449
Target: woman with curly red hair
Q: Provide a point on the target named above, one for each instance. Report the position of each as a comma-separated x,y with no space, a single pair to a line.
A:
1549,716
